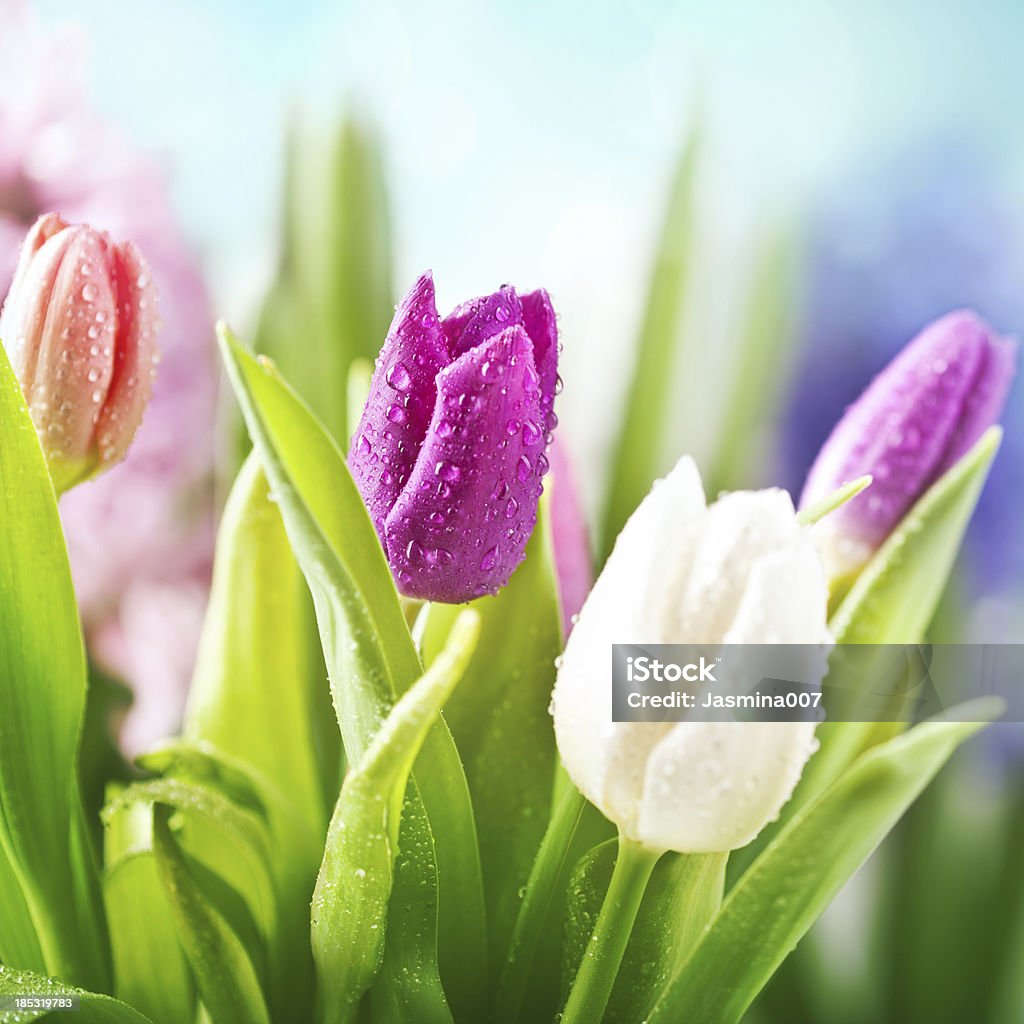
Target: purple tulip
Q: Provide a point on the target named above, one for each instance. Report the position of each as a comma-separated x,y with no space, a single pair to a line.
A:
917,418
450,450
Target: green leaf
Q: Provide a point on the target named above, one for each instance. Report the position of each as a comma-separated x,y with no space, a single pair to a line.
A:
891,602
683,896
150,970
895,596
759,363
229,842
500,717
95,1009
637,459
295,852
371,661
782,894
42,694
839,497
227,980
18,942
250,697
332,300
350,906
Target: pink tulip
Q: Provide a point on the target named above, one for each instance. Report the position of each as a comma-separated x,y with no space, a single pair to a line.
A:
80,327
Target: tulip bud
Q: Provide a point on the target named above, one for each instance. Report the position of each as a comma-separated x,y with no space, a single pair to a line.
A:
450,451
79,325
916,419
741,571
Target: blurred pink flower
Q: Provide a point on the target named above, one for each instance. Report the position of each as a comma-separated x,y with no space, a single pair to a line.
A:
141,537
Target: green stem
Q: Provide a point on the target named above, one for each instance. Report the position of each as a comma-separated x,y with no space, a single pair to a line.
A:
537,900
600,965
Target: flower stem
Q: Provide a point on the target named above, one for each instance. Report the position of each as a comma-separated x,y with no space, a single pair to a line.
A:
592,987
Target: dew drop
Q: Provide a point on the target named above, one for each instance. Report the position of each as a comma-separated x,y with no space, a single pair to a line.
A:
398,377
448,471
524,469
396,414
490,559
511,508
89,292
531,433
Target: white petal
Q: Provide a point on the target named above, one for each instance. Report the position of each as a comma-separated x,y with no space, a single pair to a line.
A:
740,527
627,605
714,785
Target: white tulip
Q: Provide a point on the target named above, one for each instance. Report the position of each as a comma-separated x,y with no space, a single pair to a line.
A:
741,571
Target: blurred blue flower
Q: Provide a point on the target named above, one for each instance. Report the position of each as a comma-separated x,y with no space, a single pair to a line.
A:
923,234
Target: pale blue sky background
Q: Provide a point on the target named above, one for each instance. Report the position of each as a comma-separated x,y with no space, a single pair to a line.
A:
530,141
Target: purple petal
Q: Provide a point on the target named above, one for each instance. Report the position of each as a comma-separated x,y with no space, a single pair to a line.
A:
475,321
402,396
460,526
916,418
987,395
541,326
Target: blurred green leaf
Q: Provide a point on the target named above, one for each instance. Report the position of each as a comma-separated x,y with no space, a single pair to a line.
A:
227,980
759,364
840,496
781,895
250,694
637,459
500,717
371,660
95,1009
350,906
331,302
42,693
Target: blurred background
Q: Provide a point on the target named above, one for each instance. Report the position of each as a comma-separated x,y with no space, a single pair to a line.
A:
767,200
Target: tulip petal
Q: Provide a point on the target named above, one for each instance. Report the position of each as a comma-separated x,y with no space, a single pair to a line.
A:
740,526
460,526
542,327
987,395
401,401
134,364
646,569
713,786
916,419
75,350
474,322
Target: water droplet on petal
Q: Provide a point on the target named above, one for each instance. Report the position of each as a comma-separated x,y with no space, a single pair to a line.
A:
396,414
398,377
511,508
531,433
89,292
524,469
490,559
448,471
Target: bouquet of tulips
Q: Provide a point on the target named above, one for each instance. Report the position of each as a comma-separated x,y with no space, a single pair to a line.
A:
399,794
